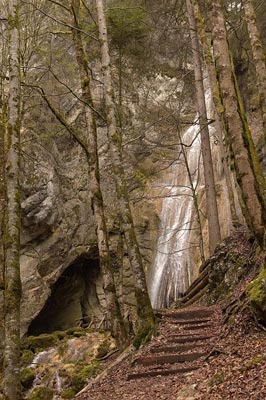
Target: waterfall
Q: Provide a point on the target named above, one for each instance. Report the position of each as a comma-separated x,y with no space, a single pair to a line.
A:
171,272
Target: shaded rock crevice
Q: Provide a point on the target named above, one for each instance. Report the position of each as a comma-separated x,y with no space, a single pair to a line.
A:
76,298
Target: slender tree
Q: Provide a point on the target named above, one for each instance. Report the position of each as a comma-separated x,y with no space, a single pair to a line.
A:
212,209
258,57
2,223
247,167
114,314
12,233
193,187
144,309
218,108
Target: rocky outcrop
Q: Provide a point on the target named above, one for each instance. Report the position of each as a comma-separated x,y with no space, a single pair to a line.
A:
57,222
59,241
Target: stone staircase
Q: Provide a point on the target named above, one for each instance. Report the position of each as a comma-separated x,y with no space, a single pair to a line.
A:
185,340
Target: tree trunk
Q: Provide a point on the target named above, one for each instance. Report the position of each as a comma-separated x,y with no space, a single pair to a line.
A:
247,167
195,200
258,57
219,123
144,309
115,319
2,224
212,210
12,233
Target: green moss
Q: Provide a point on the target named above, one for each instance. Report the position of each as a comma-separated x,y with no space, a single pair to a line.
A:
256,291
68,393
41,393
143,335
76,331
26,357
79,376
79,333
27,377
41,342
103,349
60,334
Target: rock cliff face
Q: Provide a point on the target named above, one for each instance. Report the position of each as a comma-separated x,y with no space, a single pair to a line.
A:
57,223
62,284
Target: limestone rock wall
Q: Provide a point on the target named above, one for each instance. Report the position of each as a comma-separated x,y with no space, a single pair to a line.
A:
57,222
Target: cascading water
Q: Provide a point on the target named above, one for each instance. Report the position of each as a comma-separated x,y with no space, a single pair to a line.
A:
171,273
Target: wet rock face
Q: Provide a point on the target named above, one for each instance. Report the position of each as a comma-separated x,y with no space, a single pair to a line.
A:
62,363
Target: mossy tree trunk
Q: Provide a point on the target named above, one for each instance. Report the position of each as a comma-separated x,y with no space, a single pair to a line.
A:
212,209
2,224
201,24
144,309
258,57
12,233
247,167
115,320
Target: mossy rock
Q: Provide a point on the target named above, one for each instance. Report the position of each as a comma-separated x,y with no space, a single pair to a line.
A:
68,393
79,375
103,349
41,342
82,373
76,331
41,393
26,357
27,377
61,335
143,335
256,291
78,334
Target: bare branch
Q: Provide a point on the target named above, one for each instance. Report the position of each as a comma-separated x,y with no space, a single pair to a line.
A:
61,22
60,117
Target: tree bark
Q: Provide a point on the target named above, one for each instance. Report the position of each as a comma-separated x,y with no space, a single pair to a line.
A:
195,200
212,209
243,153
12,233
258,57
2,224
115,320
219,123
144,309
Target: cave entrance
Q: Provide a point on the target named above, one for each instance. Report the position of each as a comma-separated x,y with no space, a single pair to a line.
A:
75,299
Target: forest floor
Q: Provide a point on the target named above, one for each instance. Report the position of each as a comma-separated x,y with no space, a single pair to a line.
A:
234,369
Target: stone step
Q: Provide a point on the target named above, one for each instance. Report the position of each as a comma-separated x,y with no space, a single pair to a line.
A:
190,314
162,372
169,358
196,327
187,339
186,321
175,348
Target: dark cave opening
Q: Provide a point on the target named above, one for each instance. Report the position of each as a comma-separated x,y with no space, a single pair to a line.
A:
74,300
